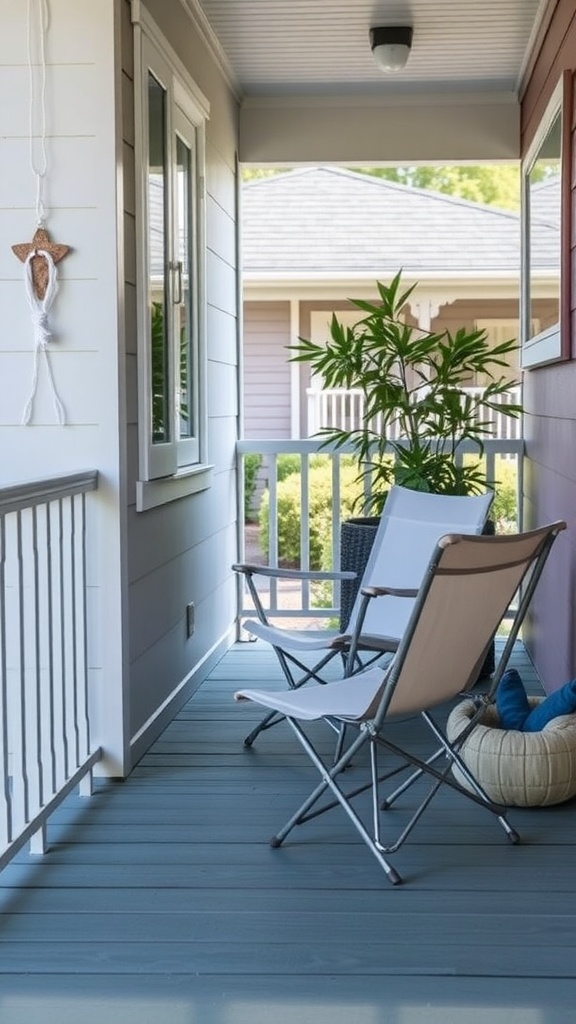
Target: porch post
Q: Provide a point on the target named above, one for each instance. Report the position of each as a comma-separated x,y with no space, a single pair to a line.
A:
425,309
295,376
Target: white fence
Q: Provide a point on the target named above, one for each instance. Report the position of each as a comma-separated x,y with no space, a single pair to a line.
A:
44,702
298,601
343,409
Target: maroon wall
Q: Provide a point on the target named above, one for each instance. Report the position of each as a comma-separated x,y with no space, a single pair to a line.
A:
550,399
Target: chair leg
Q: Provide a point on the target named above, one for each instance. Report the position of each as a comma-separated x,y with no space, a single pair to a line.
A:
271,719
328,782
478,795
286,661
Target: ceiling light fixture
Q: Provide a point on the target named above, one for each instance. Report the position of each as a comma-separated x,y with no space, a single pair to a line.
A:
391,46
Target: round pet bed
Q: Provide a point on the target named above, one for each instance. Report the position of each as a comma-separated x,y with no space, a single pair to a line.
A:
522,769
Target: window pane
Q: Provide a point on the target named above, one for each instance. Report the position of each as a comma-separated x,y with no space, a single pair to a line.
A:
158,260
183,310
545,212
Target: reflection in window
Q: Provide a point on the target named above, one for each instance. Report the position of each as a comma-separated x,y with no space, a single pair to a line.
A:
545,213
184,230
545,200
158,259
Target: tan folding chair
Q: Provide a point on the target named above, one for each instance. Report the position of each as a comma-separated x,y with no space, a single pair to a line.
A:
470,583
411,523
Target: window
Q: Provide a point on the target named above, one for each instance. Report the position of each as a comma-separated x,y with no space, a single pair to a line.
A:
171,324
545,201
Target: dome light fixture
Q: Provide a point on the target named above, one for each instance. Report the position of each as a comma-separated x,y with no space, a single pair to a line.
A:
391,46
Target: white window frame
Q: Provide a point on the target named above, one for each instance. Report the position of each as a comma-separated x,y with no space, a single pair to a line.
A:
178,467
548,345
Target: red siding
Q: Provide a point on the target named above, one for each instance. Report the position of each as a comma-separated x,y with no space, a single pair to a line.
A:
549,396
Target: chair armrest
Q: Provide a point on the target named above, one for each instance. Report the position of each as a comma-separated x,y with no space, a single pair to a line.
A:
390,591
358,639
251,569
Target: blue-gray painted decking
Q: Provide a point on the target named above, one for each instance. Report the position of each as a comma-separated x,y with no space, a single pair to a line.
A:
160,901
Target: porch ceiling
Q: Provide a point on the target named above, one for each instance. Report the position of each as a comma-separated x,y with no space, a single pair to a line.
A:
275,48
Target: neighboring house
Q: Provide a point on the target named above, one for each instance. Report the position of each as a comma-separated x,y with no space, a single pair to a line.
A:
314,238
177,95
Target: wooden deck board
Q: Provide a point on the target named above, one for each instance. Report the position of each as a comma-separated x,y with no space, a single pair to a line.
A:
161,900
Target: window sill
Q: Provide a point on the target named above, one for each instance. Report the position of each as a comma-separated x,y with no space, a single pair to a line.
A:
544,348
151,493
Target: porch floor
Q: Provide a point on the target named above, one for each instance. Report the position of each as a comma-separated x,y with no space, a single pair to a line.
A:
160,901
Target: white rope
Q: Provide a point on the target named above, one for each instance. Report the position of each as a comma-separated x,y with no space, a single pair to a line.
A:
37,26
39,309
38,169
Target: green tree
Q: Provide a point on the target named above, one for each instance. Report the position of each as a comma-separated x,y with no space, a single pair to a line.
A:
255,173
494,185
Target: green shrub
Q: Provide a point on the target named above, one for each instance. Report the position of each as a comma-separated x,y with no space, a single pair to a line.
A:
252,463
290,463
504,510
286,465
289,512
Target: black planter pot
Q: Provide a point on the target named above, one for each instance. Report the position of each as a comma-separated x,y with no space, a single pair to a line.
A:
356,539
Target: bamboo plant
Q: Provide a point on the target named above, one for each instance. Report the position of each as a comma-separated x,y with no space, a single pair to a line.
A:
416,381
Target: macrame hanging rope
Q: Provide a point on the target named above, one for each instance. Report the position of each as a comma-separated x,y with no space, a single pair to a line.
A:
38,145
39,309
41,255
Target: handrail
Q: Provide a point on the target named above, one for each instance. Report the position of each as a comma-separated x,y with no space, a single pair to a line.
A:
45,744
300,602
15,497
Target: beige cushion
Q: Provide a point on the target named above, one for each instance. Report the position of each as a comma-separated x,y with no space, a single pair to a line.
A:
524,769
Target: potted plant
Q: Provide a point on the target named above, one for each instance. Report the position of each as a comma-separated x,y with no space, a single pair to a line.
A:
417,405
416,382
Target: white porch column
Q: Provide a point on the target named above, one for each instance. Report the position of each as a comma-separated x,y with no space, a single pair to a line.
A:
295,395
425,308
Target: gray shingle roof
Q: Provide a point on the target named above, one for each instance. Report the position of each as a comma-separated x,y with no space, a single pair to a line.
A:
326,219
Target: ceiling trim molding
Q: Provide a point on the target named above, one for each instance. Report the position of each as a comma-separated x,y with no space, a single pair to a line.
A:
212,43
539,30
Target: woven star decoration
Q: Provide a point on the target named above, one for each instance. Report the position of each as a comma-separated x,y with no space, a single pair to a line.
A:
39,265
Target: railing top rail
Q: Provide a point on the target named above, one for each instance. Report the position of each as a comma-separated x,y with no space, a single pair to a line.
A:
16,497
315,445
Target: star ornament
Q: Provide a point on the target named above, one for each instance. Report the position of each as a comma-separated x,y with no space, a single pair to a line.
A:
38,263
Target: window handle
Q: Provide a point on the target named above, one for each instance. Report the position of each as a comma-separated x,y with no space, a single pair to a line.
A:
177,283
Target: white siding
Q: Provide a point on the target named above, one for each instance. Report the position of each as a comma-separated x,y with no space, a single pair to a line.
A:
144,567
81,204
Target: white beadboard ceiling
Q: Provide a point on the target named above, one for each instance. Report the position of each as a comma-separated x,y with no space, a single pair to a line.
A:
283,48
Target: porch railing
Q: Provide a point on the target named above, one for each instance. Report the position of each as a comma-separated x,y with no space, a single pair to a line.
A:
342,409
300,601
44,701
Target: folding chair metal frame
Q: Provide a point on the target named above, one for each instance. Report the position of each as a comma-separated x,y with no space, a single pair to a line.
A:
416,519
488,571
